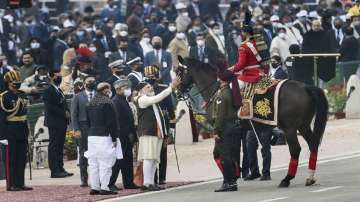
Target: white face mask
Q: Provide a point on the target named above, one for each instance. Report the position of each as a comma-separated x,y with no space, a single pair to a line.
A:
89,29
127,92
217,31
92,49
110,94
181,36
282,35
172,28
123,33
35,45
146,39
185,14
200,42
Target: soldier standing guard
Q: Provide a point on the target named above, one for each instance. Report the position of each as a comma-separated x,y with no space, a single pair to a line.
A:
14,127
227,146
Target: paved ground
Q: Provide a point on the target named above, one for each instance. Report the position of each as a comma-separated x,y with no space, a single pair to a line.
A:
196,164
338,181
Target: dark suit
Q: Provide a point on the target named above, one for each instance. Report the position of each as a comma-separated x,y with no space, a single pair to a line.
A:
79,123
193,10
56,121
127,132
165,64
280,74
58,52
103,47
195,53
168,109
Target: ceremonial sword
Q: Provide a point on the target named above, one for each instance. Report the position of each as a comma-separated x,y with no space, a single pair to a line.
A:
181,114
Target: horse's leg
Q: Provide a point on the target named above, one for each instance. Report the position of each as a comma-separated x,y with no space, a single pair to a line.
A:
295,149
313,143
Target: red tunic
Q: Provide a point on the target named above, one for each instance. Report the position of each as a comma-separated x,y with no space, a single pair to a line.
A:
248,67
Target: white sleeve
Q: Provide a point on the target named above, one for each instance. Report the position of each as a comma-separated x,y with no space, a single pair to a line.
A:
146,101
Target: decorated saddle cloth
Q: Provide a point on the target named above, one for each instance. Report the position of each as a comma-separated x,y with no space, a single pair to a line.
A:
260,101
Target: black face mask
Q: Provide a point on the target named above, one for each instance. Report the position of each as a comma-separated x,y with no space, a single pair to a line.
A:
151,81
123,48
17,85
1,64
275,64
91,86
57,81
337,26
157,46
99,36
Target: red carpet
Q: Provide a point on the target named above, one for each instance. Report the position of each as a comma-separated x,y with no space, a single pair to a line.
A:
68,193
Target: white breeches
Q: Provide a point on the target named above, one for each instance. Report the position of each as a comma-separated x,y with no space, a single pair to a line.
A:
101,158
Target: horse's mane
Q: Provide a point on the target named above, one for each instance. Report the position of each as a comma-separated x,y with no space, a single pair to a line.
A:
201,65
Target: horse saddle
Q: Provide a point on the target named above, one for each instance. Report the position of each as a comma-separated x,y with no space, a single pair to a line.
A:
262,106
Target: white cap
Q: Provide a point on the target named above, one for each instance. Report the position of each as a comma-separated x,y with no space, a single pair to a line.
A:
314,14
180,5
68,23
116,63
121,26
274,18
302,13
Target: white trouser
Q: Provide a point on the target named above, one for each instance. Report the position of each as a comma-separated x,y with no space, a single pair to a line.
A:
101,158
149,169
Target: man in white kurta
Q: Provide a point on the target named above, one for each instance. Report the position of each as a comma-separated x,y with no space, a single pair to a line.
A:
151,129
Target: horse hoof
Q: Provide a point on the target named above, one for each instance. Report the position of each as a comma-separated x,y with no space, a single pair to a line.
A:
284,184
310,182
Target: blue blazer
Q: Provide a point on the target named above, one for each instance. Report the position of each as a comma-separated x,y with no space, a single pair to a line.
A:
165,65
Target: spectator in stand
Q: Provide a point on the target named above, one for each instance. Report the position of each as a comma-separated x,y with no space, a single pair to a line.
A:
215,38
280,44
59,48
28,67
196,28
145,42
339,32
162,30
123,52
104,44
302,23
183,20
200,51
134,21
165,9
194,9
292,32
160,58
349,51
178,47
276,68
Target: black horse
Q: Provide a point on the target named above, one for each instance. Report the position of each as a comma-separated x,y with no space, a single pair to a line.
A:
298,104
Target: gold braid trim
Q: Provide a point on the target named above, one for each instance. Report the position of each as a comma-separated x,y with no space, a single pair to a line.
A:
16,108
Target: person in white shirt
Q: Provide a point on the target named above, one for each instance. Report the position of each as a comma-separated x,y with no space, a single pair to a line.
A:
151,129
280,44
145,43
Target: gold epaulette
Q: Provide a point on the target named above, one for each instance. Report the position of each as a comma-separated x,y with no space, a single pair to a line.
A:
3,107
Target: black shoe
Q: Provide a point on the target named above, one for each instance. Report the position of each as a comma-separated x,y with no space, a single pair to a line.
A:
59,175
25,188
252,177
68,174
132,186
114,188
227,187
94,192
15,189
162,182
151,187
265,178
106,192
84,184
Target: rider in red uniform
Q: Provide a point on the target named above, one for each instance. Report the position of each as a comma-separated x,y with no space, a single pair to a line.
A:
248,68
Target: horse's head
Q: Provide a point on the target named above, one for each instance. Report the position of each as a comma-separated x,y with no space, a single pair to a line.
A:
192,71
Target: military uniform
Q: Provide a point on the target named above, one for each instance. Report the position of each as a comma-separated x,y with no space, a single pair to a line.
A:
227,147
14,128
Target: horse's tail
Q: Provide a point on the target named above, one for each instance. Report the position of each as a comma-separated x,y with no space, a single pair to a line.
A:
321,108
